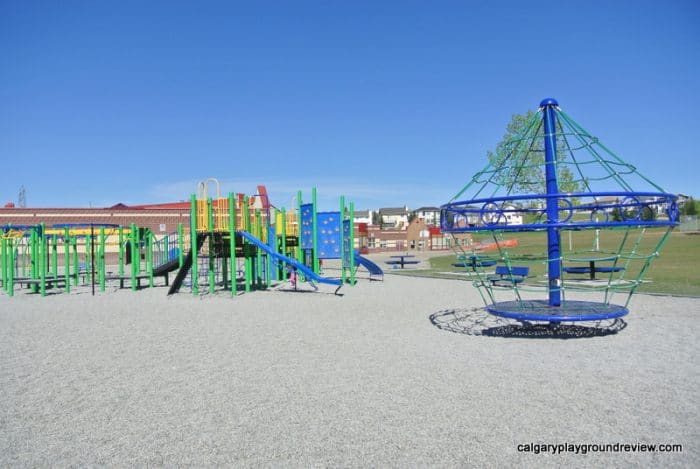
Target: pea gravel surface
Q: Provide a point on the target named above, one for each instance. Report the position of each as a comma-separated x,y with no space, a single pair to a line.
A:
402,373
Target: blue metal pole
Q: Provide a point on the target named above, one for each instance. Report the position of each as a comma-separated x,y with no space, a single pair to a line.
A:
553,236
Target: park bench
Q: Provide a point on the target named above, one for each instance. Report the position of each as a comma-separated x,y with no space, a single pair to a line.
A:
505,276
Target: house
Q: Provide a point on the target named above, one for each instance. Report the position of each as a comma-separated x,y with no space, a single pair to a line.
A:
363,216
394,217
510,216
431,215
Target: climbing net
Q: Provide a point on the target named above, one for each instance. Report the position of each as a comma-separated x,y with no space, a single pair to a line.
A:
584,222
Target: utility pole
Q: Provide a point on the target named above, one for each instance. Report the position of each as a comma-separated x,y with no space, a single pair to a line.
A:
22,199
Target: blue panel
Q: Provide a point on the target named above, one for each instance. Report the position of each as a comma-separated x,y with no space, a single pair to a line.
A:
307,226
328,235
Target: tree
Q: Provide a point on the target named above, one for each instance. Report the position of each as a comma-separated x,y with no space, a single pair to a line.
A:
648,213
616,214
520,154
376,218
689,207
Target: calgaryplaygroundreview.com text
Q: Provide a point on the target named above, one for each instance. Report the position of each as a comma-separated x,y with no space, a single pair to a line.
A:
585,448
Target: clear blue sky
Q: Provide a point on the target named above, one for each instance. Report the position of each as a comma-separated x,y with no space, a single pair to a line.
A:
389,103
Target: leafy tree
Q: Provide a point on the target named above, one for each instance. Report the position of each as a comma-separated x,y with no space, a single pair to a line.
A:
376,218
689,207
616,214
522,159
648,214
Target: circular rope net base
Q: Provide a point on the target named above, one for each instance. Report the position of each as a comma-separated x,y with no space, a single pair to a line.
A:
540,310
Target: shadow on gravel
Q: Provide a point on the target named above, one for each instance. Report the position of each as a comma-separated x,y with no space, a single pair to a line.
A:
315,292
476,321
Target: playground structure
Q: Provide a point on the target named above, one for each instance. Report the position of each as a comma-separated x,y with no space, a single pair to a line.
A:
231,244
263,245
616,220
68,255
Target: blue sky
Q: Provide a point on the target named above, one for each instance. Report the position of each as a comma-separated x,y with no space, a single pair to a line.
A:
389,103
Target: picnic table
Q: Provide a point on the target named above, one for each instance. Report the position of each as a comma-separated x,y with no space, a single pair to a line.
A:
474,261
592,268
401,260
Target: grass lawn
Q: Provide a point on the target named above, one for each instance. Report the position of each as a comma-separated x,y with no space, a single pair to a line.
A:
675,271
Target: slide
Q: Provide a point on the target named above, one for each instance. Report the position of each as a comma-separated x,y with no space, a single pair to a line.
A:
373,268
167,267
308,273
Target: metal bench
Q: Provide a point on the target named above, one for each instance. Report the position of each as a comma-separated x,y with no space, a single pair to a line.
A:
508,276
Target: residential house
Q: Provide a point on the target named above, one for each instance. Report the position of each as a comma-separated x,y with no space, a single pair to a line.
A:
363,216
431,215
394,217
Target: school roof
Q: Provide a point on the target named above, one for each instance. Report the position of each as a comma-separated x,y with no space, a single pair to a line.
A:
168,205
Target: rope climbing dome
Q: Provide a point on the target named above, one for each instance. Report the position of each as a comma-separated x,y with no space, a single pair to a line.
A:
551,182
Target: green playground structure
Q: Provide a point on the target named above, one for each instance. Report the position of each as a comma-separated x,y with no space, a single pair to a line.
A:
236,243
69,255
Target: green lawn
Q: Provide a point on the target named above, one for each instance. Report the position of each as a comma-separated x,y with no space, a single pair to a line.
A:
675,271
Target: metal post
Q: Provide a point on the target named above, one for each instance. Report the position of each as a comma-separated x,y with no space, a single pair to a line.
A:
42,259
103,259
76,263
149,256
3,262
54,256
271,240
193,245
284,243
300,254
258,257
66,258
135,256
210,222
11,276
352,243
553,235
314,214
232,240
92,257
342,239
180,246
121,252
32,258
247,260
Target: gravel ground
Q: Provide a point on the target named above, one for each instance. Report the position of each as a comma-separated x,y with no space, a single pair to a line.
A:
403,372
